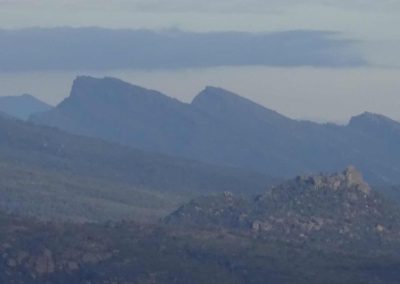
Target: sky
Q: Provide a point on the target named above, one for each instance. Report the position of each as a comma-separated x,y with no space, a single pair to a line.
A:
317,93
369,19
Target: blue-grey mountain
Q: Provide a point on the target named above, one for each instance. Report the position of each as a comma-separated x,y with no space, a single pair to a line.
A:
23,106
223,128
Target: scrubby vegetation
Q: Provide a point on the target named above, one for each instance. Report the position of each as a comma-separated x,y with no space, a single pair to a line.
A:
50,174
129,253
310,230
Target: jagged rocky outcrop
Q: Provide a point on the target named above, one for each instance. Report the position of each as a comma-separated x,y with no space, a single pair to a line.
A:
224,128
350,179
338,209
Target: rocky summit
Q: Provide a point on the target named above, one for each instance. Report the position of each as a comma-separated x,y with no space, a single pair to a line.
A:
350,178
338,209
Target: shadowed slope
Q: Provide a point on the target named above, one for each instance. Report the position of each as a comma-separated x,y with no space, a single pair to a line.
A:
51,173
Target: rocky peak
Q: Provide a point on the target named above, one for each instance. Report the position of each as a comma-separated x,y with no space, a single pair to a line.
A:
212,95
225,104
86,85
97,95
331,210
350,178
368,121
354,178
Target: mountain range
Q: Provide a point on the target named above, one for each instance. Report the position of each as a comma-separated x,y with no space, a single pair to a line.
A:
121,184
222,128
22,106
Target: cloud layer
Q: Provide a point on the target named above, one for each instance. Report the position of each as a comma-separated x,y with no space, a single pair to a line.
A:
224,6
102,49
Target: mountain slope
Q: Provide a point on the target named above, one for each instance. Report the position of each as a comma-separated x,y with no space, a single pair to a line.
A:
123,113
331,211
274,248
223,128
23,106
43,167
277,144
4,115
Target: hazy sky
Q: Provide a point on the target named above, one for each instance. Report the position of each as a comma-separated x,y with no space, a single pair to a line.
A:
367,18
315,93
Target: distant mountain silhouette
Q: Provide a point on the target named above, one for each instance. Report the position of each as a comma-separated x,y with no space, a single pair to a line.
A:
223,128
23,106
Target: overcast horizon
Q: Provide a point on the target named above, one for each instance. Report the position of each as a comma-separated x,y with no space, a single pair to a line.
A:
302,85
